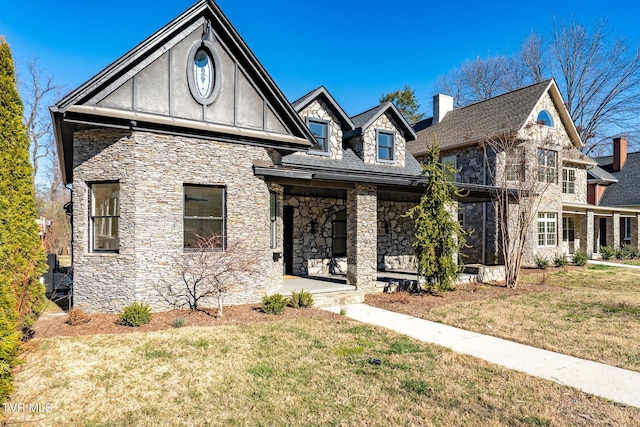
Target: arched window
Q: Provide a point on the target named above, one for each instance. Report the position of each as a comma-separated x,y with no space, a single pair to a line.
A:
544,118
339,234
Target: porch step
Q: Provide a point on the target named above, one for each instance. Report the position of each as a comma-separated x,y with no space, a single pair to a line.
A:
328,299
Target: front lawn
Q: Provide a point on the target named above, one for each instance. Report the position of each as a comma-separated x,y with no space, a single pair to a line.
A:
591,312
287,372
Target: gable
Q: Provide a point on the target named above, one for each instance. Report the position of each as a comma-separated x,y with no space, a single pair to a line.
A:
153,88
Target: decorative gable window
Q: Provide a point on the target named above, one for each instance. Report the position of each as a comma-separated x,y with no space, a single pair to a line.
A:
547,229
385,145
514,164
449,168
568,181
203,69
320,130
105,217
547,160
544,118
204,218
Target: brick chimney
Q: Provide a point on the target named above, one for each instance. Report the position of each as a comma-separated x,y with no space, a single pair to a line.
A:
619,153
442,104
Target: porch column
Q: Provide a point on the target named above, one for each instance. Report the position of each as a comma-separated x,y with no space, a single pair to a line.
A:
635,231
589,240
616,229
362,237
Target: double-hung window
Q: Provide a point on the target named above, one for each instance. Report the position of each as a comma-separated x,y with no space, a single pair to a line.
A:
547,229
547,160
105,217
626,229
514,164
320,130
385,146
568,229
449,168
204,217
568,181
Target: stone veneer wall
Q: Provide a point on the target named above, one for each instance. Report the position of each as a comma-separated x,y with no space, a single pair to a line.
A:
152,170
318,109
361,236
395,236
365,146
312,252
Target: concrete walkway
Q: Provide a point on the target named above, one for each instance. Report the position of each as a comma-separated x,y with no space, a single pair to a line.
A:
619,385
613,264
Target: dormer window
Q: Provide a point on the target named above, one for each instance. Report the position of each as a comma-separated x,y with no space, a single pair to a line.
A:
385,146
320,130
544,118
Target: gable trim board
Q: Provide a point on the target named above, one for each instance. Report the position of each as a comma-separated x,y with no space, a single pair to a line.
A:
67,119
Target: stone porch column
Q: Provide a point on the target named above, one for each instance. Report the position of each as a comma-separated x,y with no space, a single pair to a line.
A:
616,229
362,237
590,233
635,231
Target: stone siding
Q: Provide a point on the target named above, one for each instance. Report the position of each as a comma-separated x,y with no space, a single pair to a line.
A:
362,209
318,109
470,164
152,170
395,236
365,146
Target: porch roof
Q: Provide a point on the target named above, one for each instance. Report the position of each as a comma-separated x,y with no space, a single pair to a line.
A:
582,208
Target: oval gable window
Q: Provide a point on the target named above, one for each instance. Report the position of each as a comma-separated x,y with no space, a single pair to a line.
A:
203,73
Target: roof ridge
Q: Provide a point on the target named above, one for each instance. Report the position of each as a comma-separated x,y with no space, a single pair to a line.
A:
546,82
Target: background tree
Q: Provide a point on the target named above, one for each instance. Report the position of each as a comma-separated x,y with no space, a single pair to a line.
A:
405,100
597,73
21,256
439,236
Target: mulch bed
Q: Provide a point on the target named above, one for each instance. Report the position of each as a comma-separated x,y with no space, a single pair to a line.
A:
51,325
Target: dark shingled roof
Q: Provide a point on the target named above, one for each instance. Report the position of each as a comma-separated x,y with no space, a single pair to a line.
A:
503,113
625,192
322,92
350,162
363,120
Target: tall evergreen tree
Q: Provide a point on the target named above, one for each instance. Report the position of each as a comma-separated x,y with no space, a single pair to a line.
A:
439,236
22,259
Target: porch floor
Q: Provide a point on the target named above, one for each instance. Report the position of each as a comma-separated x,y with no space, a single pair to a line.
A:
338,282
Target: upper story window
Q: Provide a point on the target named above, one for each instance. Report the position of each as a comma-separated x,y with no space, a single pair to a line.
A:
203,69
514,164
547,160
105,217
544,118
449,167
568,181
320,130
204,217
385,146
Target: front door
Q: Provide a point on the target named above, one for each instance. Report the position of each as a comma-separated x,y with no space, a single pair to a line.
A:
603,233
287,222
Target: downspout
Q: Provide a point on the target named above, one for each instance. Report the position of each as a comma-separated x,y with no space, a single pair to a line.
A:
484,209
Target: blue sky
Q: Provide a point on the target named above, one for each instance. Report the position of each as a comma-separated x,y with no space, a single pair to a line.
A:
357,49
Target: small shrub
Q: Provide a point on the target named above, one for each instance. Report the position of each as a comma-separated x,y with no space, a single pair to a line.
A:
135,314
561,261
607,252
302,299
580,257
343,311
77,316
274,304
179,322
627,252
541,262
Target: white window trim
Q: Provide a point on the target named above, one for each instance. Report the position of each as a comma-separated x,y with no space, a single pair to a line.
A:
547,218
546,166
568,183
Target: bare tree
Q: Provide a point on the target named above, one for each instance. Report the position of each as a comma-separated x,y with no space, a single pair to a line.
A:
208,272
597,73
520,188
38,89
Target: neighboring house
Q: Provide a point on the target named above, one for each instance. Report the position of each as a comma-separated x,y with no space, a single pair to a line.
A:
187,134
546,149
616,182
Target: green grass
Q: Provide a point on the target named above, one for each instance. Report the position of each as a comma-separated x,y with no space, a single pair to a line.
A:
293,372
593,313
